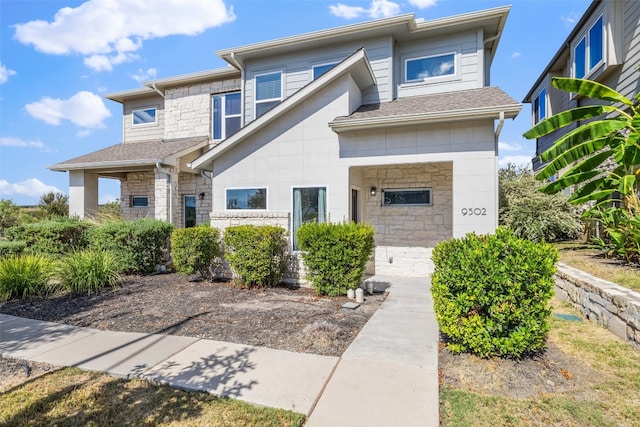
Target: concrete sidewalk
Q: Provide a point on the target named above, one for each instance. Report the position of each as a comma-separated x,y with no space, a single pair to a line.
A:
388,376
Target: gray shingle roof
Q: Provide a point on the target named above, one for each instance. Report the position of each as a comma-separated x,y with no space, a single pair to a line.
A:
143,152
487,97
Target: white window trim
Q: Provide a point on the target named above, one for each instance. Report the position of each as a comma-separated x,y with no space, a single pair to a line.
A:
589,71
429,189
264,101
155,122
313,68
223,123
454,75
265,188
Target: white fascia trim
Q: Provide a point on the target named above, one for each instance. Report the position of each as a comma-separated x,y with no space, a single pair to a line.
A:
286,105
63,167
510,111
230,55
465,18
122,95
193,77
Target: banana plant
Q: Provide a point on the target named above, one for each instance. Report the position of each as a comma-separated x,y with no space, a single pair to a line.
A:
610,130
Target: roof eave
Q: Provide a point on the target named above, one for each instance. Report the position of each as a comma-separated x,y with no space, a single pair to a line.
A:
65,167
339,126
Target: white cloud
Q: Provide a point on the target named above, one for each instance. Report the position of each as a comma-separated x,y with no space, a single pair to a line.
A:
505,146
571,18
112,30
518,160
31,187
423,4
378,9
143,75
5,73
84,109
516,54
12,141
83,133
107,198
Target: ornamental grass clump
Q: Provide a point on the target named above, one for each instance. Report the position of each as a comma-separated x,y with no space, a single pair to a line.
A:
88,271
335,255
196,249
24,276
491,293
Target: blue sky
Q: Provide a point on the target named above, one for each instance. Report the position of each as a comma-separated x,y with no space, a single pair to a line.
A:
59,57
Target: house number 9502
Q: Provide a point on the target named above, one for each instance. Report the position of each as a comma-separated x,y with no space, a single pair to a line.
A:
473,211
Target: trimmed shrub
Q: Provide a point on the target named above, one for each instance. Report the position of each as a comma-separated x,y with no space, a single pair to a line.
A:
11,248
140,245
24,276
491,293
335,255
257,254
86,272
196,249
53,237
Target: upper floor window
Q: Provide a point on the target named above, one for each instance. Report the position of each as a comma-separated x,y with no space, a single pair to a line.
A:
226,114
319,70
418,69
589,51
268,92
144,116
540,106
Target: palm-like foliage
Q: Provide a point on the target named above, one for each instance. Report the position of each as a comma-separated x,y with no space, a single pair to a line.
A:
612,131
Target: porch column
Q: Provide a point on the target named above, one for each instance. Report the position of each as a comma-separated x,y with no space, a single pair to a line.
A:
83,194
475,195
164,189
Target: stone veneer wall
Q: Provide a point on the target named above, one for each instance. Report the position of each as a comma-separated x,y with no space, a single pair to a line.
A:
187,110
137,184
405,235
605,303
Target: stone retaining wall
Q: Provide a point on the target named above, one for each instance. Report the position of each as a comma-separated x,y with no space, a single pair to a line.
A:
603,302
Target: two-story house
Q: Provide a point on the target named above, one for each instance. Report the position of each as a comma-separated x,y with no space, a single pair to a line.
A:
392,122
604,46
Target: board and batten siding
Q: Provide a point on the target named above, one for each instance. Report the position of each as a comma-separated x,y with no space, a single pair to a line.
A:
469,57
143,132
628,79
297,69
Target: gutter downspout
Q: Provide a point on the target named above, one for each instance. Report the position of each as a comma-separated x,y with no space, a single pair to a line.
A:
497,184
499,128
170,177
154,87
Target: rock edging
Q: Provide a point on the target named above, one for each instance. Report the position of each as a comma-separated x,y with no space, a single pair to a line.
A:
605,303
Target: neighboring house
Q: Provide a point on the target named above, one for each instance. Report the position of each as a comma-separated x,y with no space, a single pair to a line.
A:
390,122
604,46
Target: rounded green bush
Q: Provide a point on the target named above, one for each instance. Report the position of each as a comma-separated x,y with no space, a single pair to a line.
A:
24,276
86,272
491,293
11,248
335,255
196,249
257,254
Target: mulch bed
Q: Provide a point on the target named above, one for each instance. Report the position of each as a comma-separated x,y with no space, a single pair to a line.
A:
281,317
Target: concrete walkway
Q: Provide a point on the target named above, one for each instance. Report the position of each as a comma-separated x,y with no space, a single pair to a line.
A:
388,376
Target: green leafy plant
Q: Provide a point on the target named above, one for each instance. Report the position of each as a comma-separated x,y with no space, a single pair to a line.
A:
141,245
24,276
257,254
51,237
11,248
491,293
53,205
86,272
196,249
335,255
603,132
620,237
532,214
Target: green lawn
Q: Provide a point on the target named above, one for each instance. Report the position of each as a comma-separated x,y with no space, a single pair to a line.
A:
71,397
